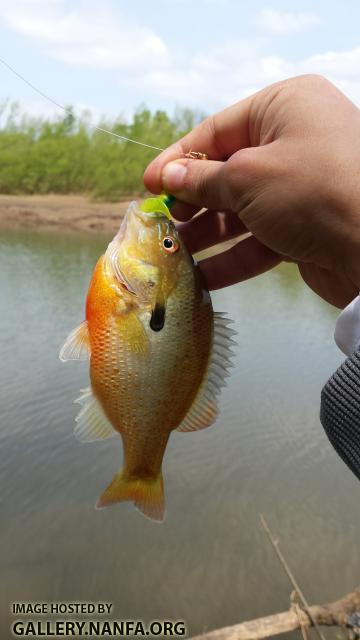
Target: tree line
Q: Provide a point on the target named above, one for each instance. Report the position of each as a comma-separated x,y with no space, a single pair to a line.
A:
67,155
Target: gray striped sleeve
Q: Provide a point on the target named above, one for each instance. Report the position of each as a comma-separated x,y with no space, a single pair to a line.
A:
340,411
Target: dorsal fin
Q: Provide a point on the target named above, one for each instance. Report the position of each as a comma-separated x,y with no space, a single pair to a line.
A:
77,344
204,409
92,423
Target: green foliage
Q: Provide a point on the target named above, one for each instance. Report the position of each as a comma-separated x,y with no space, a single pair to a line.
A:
66,155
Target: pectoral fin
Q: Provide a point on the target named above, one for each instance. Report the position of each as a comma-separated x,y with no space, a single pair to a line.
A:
132,332
77,344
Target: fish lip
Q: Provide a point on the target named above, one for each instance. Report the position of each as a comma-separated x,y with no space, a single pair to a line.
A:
122,230
144,216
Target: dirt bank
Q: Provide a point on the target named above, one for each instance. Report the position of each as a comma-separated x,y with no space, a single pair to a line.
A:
60,212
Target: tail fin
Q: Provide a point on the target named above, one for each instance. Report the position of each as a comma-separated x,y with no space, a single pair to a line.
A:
147,494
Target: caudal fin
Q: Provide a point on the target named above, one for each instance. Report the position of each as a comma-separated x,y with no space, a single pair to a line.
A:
147,494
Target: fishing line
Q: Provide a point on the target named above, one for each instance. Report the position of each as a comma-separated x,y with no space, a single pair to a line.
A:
70,113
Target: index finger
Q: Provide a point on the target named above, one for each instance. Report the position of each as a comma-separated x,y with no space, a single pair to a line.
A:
219,136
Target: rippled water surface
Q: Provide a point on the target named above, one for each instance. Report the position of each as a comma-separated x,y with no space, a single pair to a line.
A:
210,564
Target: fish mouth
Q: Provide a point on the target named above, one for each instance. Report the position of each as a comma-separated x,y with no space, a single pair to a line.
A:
151,209
156,207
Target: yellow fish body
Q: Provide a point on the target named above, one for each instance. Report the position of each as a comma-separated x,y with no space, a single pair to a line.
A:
158,353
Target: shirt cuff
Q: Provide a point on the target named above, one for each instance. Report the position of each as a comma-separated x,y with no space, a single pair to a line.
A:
347,329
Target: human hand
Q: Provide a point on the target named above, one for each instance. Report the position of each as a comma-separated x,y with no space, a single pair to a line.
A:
285,166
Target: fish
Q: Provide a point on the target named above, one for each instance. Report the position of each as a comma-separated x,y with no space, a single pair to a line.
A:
159,354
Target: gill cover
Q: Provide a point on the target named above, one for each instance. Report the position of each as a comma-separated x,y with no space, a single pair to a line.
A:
155,206
139,259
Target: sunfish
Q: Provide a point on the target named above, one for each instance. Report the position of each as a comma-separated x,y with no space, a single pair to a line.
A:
159,354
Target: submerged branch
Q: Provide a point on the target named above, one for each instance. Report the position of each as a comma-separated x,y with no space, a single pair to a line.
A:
342,613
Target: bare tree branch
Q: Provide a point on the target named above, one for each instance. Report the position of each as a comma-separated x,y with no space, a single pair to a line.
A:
334,614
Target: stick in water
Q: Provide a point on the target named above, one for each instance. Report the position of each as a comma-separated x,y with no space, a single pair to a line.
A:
290,575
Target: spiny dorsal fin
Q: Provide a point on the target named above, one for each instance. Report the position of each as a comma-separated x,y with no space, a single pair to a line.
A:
204,409
77,344
92,423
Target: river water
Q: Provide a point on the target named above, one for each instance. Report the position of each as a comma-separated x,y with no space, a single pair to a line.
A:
210,564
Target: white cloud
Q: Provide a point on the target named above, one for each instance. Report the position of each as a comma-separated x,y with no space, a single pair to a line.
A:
284,22
220,77
345,63
93,36
208,79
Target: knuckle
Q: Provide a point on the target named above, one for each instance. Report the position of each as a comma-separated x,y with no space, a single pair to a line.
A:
305,79
292,87
238,174
313,81
208,126
204,130
314,78
208,130
195,181
201,184
211,129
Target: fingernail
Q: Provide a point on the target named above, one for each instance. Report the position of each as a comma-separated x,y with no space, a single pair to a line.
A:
173,176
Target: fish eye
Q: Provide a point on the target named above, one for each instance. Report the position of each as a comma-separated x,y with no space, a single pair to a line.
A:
170,245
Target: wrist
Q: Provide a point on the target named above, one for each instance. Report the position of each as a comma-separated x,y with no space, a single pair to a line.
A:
347,229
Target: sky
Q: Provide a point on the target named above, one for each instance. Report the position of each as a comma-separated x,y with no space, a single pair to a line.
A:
111,56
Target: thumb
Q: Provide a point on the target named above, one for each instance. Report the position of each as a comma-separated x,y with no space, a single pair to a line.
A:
198,182
213,184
